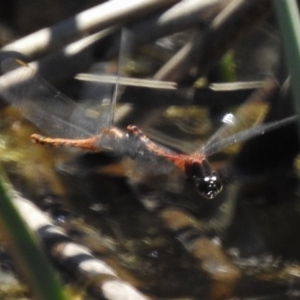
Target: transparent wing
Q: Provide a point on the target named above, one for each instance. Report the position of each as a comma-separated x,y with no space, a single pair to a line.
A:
54,113
247,134
146,164
236,126
102,93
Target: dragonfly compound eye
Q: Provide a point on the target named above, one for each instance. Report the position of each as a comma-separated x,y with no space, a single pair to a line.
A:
209,186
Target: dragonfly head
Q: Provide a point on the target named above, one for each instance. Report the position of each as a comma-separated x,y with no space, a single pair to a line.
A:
209,186
207,182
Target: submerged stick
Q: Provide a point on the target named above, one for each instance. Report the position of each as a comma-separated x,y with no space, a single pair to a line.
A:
32,263
101,279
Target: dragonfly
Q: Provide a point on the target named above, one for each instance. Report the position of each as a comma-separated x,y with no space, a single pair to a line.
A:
69,125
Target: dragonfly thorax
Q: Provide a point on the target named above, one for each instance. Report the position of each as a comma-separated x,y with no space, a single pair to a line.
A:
113,139
207,182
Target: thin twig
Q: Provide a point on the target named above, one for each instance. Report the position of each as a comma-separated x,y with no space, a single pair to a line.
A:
178,66
149,83
58,66
94,19
181,16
